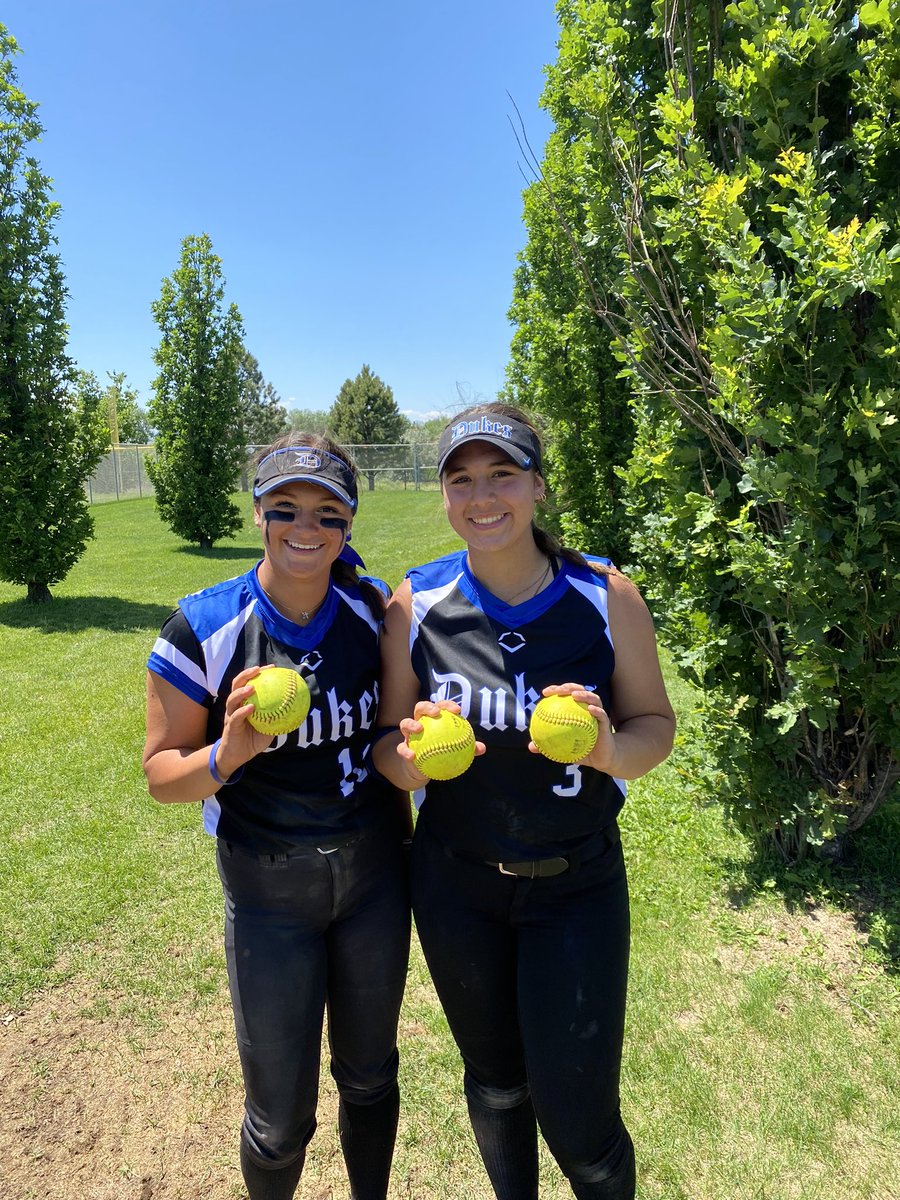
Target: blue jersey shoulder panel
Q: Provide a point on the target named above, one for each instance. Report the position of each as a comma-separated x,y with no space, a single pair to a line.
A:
209,610
436,574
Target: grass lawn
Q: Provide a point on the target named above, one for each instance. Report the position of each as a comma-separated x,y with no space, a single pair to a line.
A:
762,1047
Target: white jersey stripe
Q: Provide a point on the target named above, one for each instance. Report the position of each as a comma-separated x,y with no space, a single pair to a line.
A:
360,608
597,595
422,602
219,648
186,666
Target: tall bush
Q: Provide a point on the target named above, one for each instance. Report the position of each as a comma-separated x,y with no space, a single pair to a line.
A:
51,433
562,363
196,405
748,159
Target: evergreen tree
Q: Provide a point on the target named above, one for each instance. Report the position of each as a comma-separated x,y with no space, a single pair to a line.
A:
263,417
196,405
366,414
50,437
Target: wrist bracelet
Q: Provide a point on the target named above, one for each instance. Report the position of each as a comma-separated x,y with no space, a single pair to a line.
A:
232,778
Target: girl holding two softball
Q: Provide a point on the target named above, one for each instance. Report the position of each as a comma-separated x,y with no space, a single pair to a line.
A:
309,838
518,881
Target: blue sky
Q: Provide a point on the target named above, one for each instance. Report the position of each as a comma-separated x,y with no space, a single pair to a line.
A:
353,164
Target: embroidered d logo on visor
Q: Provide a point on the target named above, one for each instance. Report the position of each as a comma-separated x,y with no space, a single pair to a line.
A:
306,464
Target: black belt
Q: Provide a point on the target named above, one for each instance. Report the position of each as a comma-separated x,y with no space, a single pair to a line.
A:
544,868
538,868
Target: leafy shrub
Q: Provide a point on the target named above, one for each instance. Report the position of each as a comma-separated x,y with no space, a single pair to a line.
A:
744,160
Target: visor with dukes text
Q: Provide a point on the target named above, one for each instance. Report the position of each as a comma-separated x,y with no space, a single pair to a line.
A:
516,440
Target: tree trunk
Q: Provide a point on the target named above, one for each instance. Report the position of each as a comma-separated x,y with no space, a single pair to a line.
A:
875,795
38,593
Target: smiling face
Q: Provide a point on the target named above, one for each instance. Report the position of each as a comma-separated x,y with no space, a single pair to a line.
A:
304,528
488,499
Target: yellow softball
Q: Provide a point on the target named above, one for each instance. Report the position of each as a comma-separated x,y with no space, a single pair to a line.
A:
280,700
445,747
562,729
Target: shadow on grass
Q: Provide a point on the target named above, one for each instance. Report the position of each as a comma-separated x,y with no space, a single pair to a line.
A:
249,553
68,614
865,882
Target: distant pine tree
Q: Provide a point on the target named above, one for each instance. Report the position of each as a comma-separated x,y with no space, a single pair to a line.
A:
365,413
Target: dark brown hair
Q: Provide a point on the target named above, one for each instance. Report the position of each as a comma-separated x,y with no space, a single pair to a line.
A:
343,573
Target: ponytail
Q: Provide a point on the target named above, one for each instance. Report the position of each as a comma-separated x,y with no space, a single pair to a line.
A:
345,576
553,548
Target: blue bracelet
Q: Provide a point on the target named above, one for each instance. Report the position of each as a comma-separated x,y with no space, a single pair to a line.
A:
233,778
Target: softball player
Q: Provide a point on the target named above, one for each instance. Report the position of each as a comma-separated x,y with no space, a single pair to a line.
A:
518,881
308,835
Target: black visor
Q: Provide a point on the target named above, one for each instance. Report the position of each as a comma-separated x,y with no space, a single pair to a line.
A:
305,464
516,440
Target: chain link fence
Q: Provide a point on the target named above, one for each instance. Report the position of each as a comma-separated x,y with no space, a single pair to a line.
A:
122,473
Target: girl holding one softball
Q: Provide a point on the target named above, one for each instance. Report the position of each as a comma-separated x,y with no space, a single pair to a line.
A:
518,881
309,838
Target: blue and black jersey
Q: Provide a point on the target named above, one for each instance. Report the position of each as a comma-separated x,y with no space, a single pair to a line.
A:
494,659
312,786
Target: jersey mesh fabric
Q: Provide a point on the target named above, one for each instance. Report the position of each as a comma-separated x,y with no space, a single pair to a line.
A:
315,785
494,659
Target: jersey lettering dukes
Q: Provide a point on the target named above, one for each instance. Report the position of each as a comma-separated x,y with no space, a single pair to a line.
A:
312,786
493,660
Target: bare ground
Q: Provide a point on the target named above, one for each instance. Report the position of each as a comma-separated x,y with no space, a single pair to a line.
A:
105,1097
98,1107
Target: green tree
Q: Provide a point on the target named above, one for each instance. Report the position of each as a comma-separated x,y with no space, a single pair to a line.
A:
310,420
124,418
425,432
196,405
50,435
128,422
263,417
742,160
366,414
562,363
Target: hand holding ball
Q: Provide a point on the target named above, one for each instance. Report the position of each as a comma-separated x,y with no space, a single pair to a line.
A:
562,729
445,747
280,700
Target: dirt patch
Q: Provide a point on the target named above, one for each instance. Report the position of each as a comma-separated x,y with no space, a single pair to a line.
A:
823,946
109,1108
830,937
107,1096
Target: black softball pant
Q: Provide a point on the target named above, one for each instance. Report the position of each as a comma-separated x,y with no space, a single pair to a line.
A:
302,932
532,975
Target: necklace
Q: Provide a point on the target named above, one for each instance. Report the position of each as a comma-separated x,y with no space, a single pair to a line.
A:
536,585
305,614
